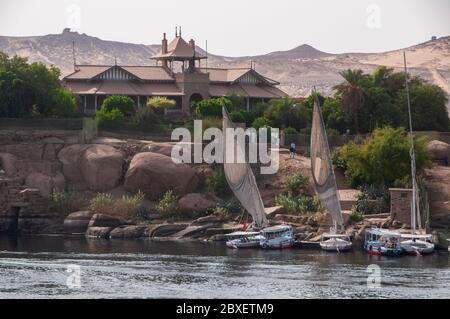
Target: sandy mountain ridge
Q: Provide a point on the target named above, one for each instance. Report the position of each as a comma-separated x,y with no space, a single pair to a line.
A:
297,70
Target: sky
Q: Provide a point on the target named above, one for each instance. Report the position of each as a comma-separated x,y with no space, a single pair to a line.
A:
238,27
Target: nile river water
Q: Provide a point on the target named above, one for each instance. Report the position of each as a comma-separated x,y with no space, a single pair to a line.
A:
36,267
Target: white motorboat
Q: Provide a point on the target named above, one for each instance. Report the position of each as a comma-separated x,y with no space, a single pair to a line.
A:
335,242
417,244
277,237
244,240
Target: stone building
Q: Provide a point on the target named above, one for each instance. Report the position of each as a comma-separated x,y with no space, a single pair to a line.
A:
177,74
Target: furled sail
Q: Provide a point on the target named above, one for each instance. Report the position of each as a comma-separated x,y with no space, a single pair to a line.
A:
322,167
242,181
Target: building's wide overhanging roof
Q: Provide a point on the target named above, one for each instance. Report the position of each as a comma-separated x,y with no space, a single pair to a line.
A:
143,73
246,90
128,88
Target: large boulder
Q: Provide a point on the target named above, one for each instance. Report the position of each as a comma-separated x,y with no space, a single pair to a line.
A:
77,222
101,220
99,232
166,230
132,231
101,167
155,174
8,163
439,151
196,202
46,184
160,148
437,181
69,156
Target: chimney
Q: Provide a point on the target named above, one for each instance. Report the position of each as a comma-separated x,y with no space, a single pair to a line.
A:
164,44
192,44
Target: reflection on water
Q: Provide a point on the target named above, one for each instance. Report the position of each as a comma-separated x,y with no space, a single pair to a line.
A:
35,267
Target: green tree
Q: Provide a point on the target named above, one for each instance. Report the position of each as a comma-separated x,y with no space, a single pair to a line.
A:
123,103
353,92
383,157
428,107
62,103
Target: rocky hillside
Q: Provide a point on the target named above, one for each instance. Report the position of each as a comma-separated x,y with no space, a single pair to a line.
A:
298,69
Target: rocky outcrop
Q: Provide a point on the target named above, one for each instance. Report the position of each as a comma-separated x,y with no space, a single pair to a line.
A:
69,156
160,148
155,174
99,232
132,231
273,211
210,219
101,220
77,222
437,181
101,167
46,184
439,151
196,202
166,230
8,164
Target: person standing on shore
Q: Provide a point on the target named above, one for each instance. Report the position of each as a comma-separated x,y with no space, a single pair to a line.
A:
293,150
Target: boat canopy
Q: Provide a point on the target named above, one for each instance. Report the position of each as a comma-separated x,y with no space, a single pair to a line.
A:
276,229
417,236
383,232
242,233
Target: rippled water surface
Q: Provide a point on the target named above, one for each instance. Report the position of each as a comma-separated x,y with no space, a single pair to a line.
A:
36,267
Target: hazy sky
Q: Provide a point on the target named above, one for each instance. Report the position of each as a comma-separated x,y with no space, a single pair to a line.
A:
238,27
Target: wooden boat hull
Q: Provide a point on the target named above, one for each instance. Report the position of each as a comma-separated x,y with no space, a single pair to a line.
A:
379,250
336,246
277,243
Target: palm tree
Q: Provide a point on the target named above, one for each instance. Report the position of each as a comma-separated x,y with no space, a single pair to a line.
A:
352,92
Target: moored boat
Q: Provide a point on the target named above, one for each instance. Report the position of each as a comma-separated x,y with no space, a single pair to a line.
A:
417,244
335,242
277,237
244,240
383,242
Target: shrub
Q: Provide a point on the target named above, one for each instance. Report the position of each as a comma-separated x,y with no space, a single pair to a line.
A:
168,205
109,119
237,117
161,102
355,215
212,107
261,122
123,103
102,203
64,202
217,182
295,183
62,103
300,204
290,131
383,157
126,207
222,213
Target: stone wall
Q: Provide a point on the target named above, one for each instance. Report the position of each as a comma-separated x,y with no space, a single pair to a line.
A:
401,205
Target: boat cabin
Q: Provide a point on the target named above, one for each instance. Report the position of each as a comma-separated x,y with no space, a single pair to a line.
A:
277,231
